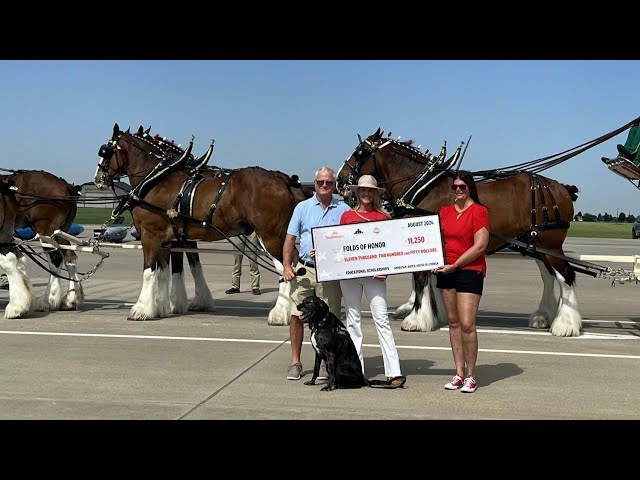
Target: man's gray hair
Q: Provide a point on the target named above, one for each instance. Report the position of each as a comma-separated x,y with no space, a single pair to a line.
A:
330,170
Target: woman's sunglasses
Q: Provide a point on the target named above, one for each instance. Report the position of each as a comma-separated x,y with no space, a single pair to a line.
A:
462,187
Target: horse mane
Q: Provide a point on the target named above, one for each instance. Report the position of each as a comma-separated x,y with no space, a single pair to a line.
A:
406,145
167,146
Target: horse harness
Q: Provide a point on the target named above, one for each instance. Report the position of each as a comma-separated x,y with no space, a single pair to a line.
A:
183,205
434,168
528,238
423,182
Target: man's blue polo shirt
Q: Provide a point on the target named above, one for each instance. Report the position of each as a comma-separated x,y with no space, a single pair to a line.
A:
309,214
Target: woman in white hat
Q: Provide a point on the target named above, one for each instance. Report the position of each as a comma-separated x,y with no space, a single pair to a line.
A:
368,209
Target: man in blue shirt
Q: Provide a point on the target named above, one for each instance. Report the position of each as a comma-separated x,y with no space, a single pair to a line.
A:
321,210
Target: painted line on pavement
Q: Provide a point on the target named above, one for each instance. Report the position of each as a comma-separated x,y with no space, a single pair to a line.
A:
244,340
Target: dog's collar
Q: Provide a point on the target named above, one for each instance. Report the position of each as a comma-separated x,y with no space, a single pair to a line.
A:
318,325
321,323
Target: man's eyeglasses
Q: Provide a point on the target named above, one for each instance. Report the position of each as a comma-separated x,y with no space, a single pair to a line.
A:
328,183
462,187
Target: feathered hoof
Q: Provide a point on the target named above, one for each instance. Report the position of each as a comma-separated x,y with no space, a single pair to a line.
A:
137,314
539,320
14,312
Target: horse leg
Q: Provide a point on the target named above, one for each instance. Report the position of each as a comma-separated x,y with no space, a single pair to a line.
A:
75,295
280,313
178,295
52,297
163,304
147,306
21,297
568,320
428,309
548,306
203,300
405,309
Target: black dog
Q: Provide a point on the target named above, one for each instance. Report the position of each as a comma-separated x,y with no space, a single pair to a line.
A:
333,344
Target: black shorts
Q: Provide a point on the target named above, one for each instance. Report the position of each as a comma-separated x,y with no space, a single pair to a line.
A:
465,281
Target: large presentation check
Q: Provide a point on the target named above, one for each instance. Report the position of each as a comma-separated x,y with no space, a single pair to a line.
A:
385,247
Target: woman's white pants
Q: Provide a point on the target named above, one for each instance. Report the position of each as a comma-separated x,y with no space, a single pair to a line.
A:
376,292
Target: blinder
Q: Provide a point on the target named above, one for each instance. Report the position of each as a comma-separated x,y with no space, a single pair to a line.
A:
363,152
105,151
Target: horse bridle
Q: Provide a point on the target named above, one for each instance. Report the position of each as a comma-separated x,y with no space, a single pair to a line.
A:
109,149
367,150
363,152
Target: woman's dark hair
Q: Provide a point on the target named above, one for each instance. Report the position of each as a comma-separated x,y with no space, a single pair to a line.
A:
467,178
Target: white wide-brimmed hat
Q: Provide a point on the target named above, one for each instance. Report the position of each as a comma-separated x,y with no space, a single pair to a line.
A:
366,181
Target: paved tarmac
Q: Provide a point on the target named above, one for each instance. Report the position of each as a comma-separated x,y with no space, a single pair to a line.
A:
229,364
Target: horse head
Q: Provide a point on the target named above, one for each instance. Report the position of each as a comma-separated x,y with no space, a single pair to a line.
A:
395,165
105,172
132,155
351,170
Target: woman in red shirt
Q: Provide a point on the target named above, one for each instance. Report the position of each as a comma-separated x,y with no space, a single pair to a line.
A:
465,230
368,209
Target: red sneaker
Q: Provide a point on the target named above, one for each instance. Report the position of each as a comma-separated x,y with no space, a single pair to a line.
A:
470,385
454,384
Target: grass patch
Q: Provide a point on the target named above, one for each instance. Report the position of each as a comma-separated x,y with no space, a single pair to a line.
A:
98,215
600,230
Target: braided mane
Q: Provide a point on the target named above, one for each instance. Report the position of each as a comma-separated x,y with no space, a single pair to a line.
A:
168,146
407,146
404,145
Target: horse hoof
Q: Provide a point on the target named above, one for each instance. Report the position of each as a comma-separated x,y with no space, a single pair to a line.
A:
538,321
11,312
137,315
41,305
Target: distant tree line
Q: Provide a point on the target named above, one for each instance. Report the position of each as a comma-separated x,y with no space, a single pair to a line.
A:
607,217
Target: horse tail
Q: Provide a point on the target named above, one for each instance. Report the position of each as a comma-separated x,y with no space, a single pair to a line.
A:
573,191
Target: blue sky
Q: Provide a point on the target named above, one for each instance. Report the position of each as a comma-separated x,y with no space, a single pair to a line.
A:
297,115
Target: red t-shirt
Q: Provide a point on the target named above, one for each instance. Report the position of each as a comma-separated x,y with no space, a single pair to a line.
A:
351,216
458,233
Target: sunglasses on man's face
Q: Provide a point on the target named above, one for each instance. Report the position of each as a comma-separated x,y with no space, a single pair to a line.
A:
455,186
326,183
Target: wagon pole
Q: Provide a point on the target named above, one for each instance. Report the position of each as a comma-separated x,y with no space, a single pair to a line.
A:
49,242
92,246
